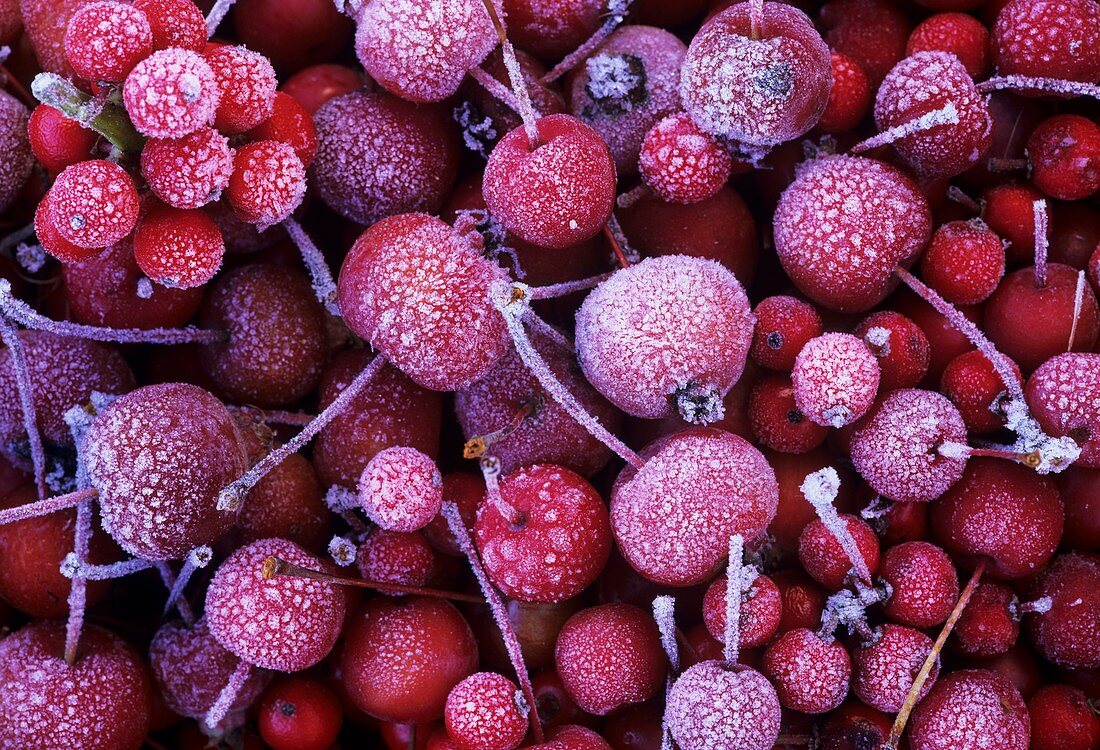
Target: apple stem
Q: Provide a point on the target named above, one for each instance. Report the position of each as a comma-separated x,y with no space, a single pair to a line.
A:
616,10
217,12
820,488
1078,304
25,391
496,89
323,285
72,568
490,471
95,113
756,18
78,589
664,614
933,655
168,578
957,195
535,323
1046,85
47,506
477,446
619,245
9,80
276,566
732,648
1042,243
961,450
945,115
197,558
553,291
291,418
1005,165
451,514
231,497
515,75
629,198
228,694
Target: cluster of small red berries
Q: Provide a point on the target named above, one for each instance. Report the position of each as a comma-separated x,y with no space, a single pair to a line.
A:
698,374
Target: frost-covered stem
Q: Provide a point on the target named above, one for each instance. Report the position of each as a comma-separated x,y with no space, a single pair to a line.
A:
292,418
756,17
1049,85
490,471
629,198
450,513
1042,243
198,558
78,589
276,566
323,285
109,120
1005,165
957,195
732,648
25,390
25,315
952,449
618,243
228,694
945,115
524,107
1041,605
496,89
664,614
551,291
538,324
1078,302
964,326
71,568
616,15
820,488
231,497
168,578
16,237
478,446
47,506
6,78
342,501
512,302
933,655
216,14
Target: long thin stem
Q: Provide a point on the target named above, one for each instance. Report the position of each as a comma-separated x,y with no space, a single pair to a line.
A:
515,75
495,88
820,488
105,118
78,587
323,285
756,17
168,578
198,558
232,496
291,418
71,568
228,694
1078,304
216,14
1048,85
1042,242
945,115
732,648
933,655
479,445
616,246
47,506
616,15
276,566
535,323
511,641
25,389
13,83
551,291
490,471
664,614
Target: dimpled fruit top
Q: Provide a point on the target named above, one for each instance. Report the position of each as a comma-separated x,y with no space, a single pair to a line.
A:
421,49
972,709
284,622
661,327
844,224
18,160
99,703
63,373
378,155
401,489
835,378
419,293
895,448
158,457
630,82
560,547
171,93
916,87
759,86
1064,395
673,518
1052,38
715,707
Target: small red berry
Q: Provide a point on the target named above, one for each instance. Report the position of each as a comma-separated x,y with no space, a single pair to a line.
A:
958,33
964,262
171,93
175,23
177,247
247,84
849,98
486,711
94,204
289,123
58,141
188,172
267,184
298,712
1065,157
105,40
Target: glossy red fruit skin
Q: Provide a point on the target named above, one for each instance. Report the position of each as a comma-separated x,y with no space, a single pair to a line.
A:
1065,633
178,248
990,624
811,675
1081,495
56,140
1062,396
803,600
45,228
849,98
1007,209
825,560
958,33
1062,719
776,420
287,503
969,709
973,385
552,35
1051,38
855,726
610,656
883,670
964,262
310,32
1065,157
299,713
944,341
316,84
289,123
923,582
794,511
903,359
403,655
783,326
871,32
175,23
1003,512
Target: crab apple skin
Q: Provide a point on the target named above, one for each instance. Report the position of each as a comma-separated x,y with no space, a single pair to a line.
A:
609,656
378,155
715,705
483,713
1049,38
63,373
247,84
105,40
923,582
629,83
893,448
421,50
964,262
973,385
292,37
174,23
761,608
31,554
52,241
855,726
1081,496
558,194
883,671
390,411
282,623
300,713
1061,719
158,457
559,547
1063,394
1066,633
94,203
1001,511
171,93
970,709
917,86
810,675
1008,209
403,655
276,335
871,32
794,510
188,172
803,600
287,503
849,265
571,737
904,355
957,33
415,273
291,124
990,624
836,378
642,365
1031,324
109,683
784,325
103,291
401,489
399,557
551,31
944,340
681,163
785,60
181,248
1065,157
823,557
190,668
777,422
673,518
56,140
849,98
547,435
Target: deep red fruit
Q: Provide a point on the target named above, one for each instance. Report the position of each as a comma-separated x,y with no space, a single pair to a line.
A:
178,248
884,669
399,557
315,85
836,378
267,184
45,22
959,34
761,607
188,172
291,124
990,624
849,98
300,713
713,704
1062,719
964,262
1081,497
776,420
52,241
1063,394
923,584
871,32
246,82
556,193
783,326
803,600
465,490
681,163
486,711
550,32
292,37
899,345
56,140
823,557
970,709
811,675
1065,634
93,203
401,489
855,726
171,93
1065,157
403,655
610,656
1049,38
174,23
105,40
795,511
1008,209
973,385
287,503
